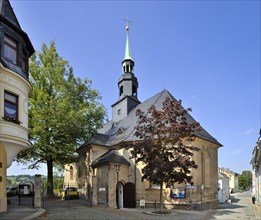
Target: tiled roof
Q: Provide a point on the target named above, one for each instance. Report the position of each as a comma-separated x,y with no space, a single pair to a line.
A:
7,13
111,156
114,133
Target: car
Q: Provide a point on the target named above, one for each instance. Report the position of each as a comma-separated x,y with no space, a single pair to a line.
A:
11,191
70,193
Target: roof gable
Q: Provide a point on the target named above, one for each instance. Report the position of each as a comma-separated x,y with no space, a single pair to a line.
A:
123,130
111,156
7,12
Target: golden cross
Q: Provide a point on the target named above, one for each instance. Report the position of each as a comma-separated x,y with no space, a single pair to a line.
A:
127,23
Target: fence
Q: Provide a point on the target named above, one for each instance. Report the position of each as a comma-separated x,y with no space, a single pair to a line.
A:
66,197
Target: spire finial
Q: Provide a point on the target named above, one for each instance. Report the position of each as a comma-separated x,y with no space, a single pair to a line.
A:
127,48
127,23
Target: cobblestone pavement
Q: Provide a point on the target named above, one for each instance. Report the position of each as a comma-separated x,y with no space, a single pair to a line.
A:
104,213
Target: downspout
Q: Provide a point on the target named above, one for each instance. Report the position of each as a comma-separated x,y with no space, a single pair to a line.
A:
135,180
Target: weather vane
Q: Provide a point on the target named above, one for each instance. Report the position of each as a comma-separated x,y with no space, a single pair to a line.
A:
127,23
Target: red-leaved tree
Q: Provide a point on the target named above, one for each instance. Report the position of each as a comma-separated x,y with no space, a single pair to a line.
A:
165,145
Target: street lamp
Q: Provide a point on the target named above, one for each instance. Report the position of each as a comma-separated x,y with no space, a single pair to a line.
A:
117,169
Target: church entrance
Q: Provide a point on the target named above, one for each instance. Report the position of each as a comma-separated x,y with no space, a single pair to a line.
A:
119,195
129,195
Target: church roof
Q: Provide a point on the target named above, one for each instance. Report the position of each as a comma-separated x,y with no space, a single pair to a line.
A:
114,133
111,156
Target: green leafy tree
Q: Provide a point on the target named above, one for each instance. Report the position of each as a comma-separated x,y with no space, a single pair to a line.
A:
245,179
64,112
165,147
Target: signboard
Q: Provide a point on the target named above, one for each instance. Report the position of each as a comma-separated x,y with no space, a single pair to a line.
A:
178,193
101,189
190,187
142,203
26,190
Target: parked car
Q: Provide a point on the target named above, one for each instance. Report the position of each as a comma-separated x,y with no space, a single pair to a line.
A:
70,193
11,191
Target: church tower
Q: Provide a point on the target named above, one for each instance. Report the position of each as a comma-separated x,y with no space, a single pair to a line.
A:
127,86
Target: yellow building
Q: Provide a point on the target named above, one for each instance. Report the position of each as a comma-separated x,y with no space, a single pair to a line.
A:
233,179
109,177
15,51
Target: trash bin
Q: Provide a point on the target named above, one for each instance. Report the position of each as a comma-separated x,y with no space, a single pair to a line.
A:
253,200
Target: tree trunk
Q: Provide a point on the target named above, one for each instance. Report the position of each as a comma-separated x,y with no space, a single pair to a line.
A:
50,178
161,196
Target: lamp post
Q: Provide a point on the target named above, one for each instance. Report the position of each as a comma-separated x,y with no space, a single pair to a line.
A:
117,169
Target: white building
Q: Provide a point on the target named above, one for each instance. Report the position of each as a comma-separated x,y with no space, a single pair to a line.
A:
256,163
15,50
223,186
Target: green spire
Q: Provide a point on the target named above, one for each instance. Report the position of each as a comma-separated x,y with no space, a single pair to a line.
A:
127,48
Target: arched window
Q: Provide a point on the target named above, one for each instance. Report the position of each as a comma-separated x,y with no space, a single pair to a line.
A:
134,90
71,173
121,90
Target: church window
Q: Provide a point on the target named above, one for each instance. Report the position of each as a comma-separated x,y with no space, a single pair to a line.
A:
10,49
119,111
121,90
71,173
154,186
10,106
134,90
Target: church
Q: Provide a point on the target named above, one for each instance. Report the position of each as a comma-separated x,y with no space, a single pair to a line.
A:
108,177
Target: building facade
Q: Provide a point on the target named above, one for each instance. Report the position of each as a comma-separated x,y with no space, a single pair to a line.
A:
223,186
15,50
233,179
256,170
109,177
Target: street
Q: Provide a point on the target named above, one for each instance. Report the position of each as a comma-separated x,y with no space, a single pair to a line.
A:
240,208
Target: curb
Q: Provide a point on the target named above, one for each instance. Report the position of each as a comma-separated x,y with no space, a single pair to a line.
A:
39,212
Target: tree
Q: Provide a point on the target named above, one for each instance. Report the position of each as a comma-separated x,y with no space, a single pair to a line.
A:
165,147
63,112
245,179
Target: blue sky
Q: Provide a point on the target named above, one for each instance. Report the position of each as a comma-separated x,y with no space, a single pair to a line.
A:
206,53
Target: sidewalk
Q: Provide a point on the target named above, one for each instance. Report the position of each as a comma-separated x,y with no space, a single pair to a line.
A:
26,213
257,210
21,213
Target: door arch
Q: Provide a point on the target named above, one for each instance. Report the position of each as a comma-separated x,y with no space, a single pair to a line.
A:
129,200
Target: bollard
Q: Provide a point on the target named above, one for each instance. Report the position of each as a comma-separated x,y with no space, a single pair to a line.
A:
253,200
